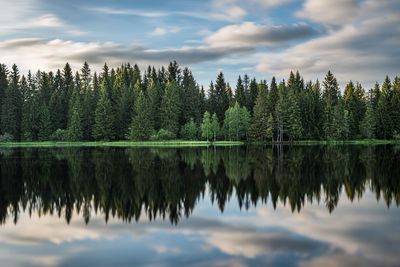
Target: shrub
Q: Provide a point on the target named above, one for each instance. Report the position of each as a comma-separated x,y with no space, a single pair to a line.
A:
6,137
59,135
163,135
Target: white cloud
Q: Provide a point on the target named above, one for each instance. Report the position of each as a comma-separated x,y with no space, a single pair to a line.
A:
163,31
365,50
336,12
252,34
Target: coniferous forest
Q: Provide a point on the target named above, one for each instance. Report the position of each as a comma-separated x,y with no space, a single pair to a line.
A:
164,104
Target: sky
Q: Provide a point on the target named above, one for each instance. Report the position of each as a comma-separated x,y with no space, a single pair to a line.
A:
357,40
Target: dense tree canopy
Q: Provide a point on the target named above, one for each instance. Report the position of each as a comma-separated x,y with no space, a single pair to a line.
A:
122,104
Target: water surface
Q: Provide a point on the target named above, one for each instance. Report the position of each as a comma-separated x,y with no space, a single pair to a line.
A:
226,206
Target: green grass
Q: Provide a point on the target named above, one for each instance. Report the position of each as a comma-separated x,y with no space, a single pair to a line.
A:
184,143
172,143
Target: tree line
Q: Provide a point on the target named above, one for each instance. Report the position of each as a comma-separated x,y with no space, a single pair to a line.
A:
168,103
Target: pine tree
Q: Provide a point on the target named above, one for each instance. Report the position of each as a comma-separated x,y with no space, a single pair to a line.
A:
11,114
331,97
395,103
45,128
368,124
75,131
260,114
170,108
240,96
294,126
155,94
221,97
104,116
142,122
384,123
190,98
253,91
3,88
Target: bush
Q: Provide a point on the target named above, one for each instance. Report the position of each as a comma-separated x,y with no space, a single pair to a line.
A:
59,135
6,137
163,135
190,131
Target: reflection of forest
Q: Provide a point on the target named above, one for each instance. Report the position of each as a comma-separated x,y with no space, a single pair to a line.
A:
125,182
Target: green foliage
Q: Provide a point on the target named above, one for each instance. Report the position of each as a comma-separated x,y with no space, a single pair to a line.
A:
11,114
163,135
6,137
142,122
206,131
129,105
190,131
104,117
170,108
44,130
236,123
75,131
215,129
59,135
260,114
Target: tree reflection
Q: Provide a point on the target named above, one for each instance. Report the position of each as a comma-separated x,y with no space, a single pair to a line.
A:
128,183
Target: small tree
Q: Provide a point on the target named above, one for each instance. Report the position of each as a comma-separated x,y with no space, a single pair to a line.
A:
190,130
206,131
215,126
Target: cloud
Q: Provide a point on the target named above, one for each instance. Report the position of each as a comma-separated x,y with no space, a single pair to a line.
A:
22,15
271,3
251,34
329,12
163,31
33,53
365,50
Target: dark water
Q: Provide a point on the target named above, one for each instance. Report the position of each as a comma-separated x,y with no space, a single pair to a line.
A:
229,206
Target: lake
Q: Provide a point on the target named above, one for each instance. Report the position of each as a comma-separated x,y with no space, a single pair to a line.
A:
216,206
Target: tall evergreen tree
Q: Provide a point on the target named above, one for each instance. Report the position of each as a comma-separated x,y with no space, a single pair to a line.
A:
260,114
221,97
11,114
384,123
142,122
240,96
170,108
45,128
104,116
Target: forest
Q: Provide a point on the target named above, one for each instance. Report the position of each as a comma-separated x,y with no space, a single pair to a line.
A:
168,103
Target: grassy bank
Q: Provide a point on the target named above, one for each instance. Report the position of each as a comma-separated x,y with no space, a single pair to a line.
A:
172,143
183,143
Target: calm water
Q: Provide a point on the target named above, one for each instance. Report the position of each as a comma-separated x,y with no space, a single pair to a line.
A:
229,206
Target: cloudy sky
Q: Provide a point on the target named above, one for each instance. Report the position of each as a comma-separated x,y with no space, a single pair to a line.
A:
358,40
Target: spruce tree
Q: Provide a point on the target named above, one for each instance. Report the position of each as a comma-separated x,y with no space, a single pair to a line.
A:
75,131
240,96
104,117
11,115
221,97
260,114
384,123
45,128
368,124
170,108
142,122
